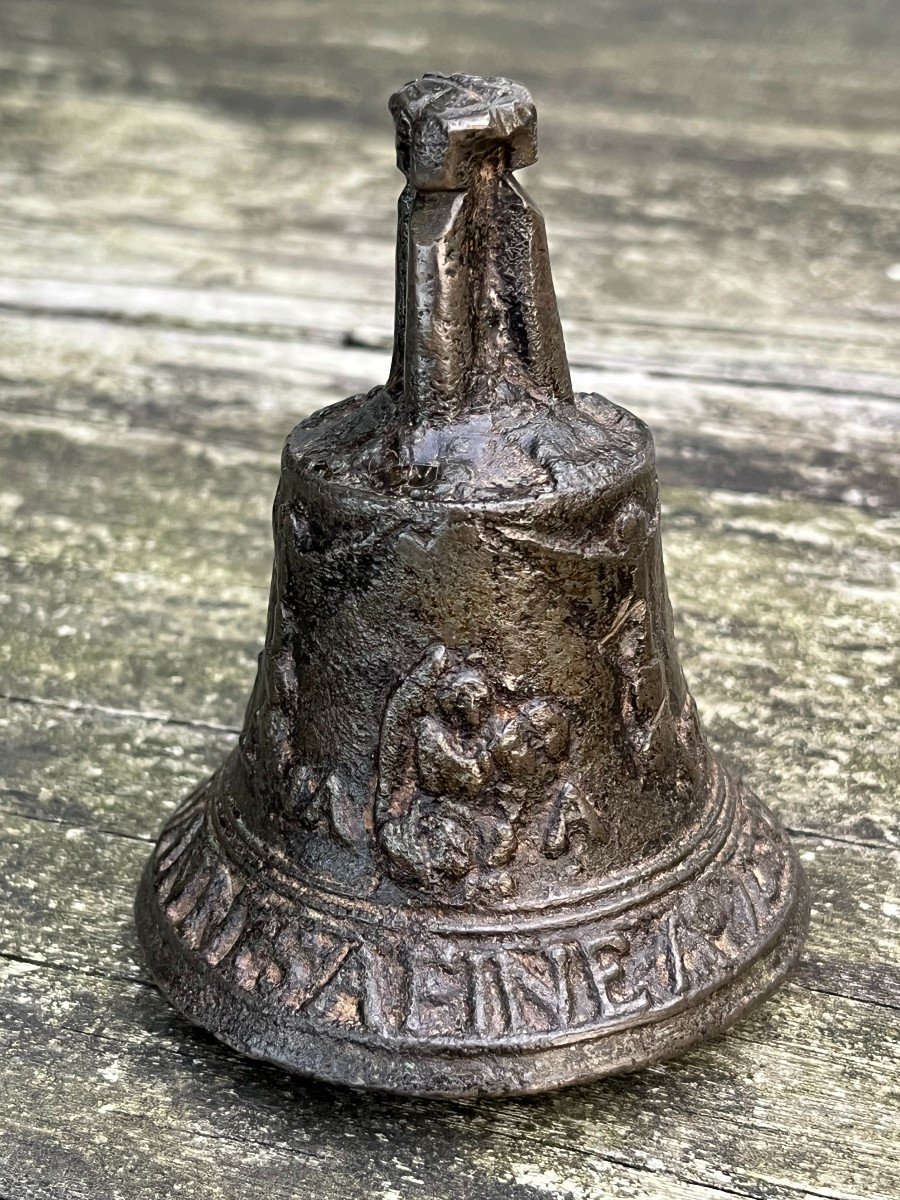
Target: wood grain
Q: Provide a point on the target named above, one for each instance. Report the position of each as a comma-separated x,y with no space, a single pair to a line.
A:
196,226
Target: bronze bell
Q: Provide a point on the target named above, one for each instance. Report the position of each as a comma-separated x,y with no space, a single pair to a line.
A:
472,839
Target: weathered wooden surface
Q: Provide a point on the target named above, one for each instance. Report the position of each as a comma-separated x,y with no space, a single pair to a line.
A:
195,251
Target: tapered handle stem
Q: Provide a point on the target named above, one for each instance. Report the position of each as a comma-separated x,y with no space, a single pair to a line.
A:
476,312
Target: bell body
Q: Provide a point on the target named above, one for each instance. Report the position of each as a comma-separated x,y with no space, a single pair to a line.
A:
472,839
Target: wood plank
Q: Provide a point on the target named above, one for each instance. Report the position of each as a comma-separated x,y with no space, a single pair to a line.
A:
120,542
702,164
826,357
80,764
70,888
124,1089
98,771
69,898
102,1060
838,435
195,239
746,540
105,1060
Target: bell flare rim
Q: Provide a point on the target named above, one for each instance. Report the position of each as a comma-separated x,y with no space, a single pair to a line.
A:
319,1060
753,889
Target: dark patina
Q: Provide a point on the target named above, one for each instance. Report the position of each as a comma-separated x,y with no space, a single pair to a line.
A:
472,839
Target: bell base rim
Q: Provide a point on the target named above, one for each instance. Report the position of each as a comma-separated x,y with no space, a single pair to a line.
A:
337,1061
709,1003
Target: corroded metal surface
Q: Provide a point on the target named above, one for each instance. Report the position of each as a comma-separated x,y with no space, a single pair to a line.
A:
472,839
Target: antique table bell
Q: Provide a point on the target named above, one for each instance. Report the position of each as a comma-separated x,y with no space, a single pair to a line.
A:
472,839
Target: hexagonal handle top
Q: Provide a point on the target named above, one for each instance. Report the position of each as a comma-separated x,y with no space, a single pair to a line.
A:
449,125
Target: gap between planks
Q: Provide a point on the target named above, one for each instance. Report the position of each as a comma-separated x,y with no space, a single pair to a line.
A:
118,714
198,311
76,707
110,831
